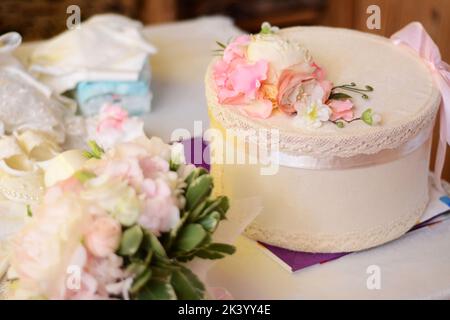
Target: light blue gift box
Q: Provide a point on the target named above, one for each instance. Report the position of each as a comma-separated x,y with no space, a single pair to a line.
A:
134,96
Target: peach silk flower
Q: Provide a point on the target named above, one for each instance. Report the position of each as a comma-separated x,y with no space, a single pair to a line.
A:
239,82
302,78
341,109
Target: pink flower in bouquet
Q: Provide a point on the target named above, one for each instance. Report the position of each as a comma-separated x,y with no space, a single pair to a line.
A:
115,126
160,214
103,236
239,82
79,284
97,276
152,166
156,188
341,109
86,291
71,185
111,117
106,270
127,169
302,85
45,247
35,253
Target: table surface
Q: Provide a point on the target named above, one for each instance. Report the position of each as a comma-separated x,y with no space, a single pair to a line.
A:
416,266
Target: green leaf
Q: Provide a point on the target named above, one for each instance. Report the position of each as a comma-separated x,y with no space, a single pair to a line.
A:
170,237
194,214
96,151
148,258
192,278
223,205
155,245
220,204
198,190
208,254
157,289
186,258
140,281
215,251
136,267
339,96
220,44
211,221
184,287
87,154
197,172
222,247
131,240
367,117
190,237
163,272
29,211
84,175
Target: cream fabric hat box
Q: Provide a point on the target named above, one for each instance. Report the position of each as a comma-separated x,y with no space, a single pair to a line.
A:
344,183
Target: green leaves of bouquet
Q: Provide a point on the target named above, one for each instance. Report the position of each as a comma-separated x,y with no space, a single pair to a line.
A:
157,262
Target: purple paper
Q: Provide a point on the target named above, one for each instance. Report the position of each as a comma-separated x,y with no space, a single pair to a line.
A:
298,260
195,152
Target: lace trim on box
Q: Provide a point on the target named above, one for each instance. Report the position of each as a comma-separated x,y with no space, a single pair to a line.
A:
348,242
388,137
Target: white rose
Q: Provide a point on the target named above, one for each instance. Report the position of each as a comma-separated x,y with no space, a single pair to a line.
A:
279,52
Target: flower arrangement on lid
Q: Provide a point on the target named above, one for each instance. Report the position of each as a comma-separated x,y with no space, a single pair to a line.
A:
259,73
123,225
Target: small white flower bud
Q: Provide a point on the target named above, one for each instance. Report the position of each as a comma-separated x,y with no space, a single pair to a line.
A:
376,119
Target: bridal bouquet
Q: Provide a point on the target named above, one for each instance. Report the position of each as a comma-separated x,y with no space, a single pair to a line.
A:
122,226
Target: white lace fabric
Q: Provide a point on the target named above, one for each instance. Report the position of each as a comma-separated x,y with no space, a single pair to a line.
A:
23,107
32,127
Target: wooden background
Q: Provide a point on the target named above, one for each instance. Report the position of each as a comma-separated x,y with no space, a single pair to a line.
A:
39,19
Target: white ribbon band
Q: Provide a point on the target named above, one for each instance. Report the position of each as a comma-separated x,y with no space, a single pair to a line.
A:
422,139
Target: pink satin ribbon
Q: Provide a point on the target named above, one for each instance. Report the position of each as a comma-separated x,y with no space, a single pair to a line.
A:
415,37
